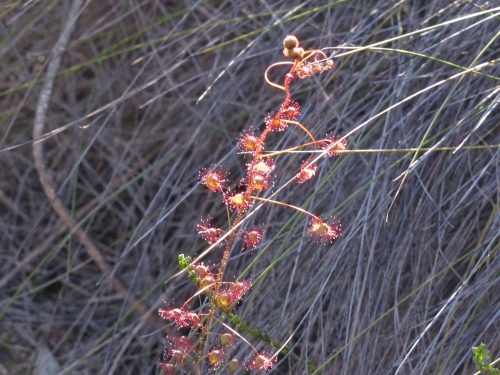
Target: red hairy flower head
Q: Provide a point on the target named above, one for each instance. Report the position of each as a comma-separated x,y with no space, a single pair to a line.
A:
261,362
291,112
306,172
192,319
224,299
239,288
324,231
180,348
304,72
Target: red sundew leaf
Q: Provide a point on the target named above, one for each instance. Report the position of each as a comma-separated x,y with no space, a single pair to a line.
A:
275,123
181,343
239,288
201,270
251,238
232,293
213,178
236,201
292,112
249,142
258,182
327,232
261,362
333,146
215,357
180,317
208,232
263,166
207,281
306,172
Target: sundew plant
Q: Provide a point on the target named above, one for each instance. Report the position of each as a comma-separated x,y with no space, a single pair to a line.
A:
212,329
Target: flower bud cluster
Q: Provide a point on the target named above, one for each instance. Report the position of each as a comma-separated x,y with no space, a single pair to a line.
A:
291,47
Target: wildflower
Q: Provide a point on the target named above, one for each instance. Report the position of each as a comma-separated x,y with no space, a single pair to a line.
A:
249,142
306,172
327,232
251,238
236,201
208,232
213,179
333,146
180,317
261,362
215,357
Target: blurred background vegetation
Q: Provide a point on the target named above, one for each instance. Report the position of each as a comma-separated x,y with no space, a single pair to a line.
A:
99,193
